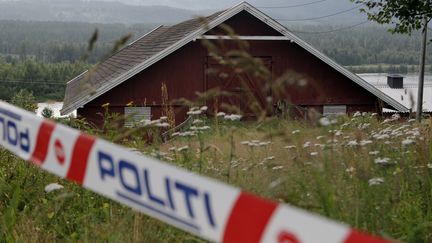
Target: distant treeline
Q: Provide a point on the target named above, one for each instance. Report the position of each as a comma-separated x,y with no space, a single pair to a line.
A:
47,81
60,41
365,45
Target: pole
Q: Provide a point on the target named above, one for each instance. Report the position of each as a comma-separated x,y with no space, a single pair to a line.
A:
421,75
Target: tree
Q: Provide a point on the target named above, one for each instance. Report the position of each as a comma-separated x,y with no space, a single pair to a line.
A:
25,100
404,15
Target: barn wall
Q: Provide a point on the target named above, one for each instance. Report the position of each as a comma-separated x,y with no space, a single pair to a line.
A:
184,73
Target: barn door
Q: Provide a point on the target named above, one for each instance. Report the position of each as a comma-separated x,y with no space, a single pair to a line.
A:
243,88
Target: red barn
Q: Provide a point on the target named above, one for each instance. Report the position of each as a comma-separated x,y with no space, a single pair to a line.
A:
176,56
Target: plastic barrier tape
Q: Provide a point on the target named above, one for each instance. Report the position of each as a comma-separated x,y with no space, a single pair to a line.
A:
199,205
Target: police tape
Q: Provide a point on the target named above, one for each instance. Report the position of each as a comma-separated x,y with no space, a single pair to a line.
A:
201,206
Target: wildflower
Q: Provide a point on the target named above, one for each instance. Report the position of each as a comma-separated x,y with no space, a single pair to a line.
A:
295,132
233,117
164,124
197,121
395,117
264,143
429,165
338,133
324,121
105,105
382,161
290,147
387,142
352,143
130,103
407,142
203,108
276,183
350,170
365,142
52,187
175,134
219,114
194,112
357,114
411,120
306,144
163,118
203,128
183,148
382,137
314,153
364,126
174,148
373,152
319,137
277,167
245,142
376,181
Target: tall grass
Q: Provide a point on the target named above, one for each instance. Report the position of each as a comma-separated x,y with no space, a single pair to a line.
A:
328,170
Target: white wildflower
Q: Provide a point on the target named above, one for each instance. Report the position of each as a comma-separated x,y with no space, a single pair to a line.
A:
174,148
52,187
376,181
324,121
314,153
163,118
306,145
197,121
277,167
395,117
411,120
194,112
352,143
382,161
204,108
183,148
357,114
429,165
163,124
365,142
407,142
373,152
295,132
290,147
233,117
319,137
219,114
350,170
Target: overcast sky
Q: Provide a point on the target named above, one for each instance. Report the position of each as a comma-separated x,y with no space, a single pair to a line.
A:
221,4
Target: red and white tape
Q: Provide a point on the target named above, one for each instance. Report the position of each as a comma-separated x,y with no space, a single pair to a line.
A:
199,205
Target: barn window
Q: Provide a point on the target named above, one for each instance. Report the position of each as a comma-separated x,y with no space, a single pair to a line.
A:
136,114
329,110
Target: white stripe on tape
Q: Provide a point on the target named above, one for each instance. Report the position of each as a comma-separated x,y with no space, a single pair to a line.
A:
199,205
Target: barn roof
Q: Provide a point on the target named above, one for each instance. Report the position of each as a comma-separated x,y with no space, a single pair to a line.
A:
163,41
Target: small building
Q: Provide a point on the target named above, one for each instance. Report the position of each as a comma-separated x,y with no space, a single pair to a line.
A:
175,56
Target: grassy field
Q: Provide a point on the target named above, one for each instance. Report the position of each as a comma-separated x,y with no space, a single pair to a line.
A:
370,173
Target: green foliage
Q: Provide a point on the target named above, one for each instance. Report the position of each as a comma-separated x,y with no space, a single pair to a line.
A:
47,112
47,81
405,15
25,100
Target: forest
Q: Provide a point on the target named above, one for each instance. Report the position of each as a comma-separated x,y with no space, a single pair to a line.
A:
43,56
